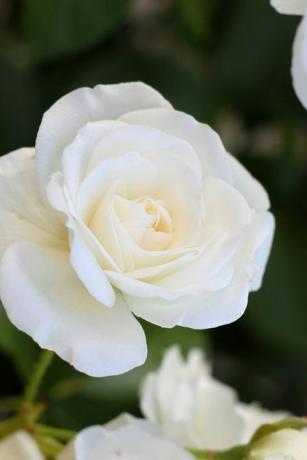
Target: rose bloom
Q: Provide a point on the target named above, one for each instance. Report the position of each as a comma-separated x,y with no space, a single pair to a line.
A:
126,438
195,409
126,207
286,444
19,446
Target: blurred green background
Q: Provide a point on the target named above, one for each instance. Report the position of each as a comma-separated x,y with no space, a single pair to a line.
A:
228,64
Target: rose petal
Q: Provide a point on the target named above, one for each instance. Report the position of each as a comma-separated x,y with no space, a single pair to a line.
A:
260,239
285,444
176,178
53,307
212,270
248,186
135,440
136,175
77,155
219,308
19,446
227,211
197,312
22,214
62,121
205,142
89,271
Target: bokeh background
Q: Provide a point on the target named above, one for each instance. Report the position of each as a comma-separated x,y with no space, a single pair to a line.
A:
227,62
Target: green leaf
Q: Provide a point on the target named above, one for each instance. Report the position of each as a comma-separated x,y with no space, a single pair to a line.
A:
235,453
22,350
54,28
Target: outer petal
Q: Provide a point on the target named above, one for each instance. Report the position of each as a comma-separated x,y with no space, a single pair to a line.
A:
290,6
19,446
261,242
299,62
221,307
62,121
206,142
136,440
22,213
198,312
248,186
52,306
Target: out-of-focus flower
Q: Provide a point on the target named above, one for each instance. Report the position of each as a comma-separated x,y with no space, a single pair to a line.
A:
299,62
127,208
126,438
194,408
19,446
299,58
287,444
290,6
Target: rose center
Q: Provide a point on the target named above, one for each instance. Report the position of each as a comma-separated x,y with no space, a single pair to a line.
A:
147,221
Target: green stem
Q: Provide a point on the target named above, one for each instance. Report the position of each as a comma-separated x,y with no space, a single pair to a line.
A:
59,433
49,446
40,369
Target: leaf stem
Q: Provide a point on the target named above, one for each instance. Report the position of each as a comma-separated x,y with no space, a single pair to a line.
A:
59,433
36,378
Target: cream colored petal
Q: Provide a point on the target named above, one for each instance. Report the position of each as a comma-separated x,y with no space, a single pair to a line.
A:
259,243
248,186
133,441
77,155
227,211
212,270
22,213
135,175
288,444
175,177
205,142
89,271
19,446
63,120
203,311
53,307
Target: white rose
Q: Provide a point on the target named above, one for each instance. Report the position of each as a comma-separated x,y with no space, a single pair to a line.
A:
19,446
128,439
144,213
287,444
195,409
290,6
